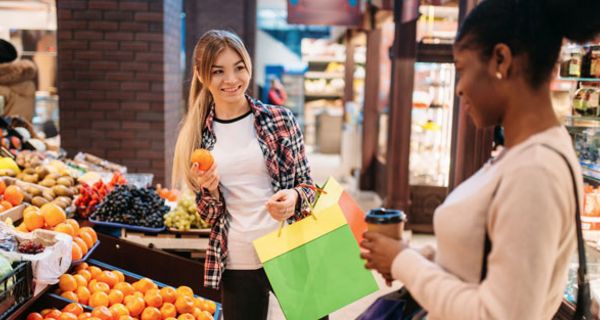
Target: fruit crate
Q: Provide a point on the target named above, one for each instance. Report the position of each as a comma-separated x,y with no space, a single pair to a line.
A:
15,288
193,243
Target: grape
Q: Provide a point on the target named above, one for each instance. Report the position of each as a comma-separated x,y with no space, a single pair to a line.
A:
185,216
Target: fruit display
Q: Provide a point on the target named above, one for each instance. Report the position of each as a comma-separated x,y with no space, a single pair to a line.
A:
185,216
52,217
131,205
71,311
114,297
202,158
90,196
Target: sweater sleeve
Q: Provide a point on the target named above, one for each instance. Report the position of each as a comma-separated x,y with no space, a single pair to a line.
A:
525,223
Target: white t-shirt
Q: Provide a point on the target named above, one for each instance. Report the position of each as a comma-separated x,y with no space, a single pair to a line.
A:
526,200
246,187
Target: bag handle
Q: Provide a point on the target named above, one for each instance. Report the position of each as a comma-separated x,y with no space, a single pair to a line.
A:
582,309
311,206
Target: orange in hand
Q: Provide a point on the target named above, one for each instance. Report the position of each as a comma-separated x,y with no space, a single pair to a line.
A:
203,158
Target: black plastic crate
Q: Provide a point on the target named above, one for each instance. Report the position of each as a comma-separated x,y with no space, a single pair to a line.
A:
15,288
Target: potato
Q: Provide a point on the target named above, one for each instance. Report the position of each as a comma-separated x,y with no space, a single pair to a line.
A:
31,178
65,181
61,190
65,199
42,172
48,195
39,201
48,182
34,191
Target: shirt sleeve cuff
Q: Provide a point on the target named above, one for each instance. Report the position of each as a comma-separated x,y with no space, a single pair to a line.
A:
406,266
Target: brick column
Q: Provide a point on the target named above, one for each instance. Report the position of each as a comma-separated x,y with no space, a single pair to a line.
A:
119,81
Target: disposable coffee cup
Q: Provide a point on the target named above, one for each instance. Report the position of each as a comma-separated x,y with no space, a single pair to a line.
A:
388,222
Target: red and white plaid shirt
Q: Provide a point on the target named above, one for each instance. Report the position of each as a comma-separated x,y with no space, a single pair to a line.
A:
282,145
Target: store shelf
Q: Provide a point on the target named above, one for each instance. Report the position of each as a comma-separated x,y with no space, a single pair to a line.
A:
581,79
323,75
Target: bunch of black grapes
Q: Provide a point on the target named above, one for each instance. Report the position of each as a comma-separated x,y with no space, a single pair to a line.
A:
132,205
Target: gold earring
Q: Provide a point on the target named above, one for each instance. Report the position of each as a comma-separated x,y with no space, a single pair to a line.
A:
499,75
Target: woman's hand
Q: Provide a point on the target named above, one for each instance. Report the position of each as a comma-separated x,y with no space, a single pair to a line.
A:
382,251
282,204
208,179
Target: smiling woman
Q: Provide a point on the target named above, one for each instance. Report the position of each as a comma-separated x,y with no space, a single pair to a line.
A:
255,180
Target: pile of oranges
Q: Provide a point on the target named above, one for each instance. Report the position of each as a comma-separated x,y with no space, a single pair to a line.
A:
113,298
52,217
10,196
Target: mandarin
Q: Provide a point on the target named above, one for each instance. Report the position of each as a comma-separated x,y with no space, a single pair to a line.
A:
153,298
67,282
33,315
95,271
82,266
115,296
85,316
126,318
125,287
83,295
118,310
102,313
185,291
76,253
184,304
33,220
168,310
7,205
151,313
87,238
86,274
98,299
82,245
2,189
186,316
168,294
81,280
135,305
53,314
209,306
119,275
65,228
70,295
74,308
67,316
203,158
91,232
53,214
99,286
108,277
73,223
14,195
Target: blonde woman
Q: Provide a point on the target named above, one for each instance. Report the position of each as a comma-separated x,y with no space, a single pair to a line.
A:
255,181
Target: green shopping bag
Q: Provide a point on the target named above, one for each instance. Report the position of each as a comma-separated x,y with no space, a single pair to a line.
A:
314,265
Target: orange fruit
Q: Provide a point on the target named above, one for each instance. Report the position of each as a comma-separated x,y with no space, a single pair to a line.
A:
98,299
83,295
14,195
151,313
46,311
204,315
85,316
98,286
126,318
2,189
186,316
209,306
125,287
198,302
144,285
21,227
168,310
53,214
70,295
33,315
76,253
184,304
184,290
203,158
153,298
119,275
118,310
64,227
7,205
91,232
82,245
81,280
115,296
168,294
73,223
135,305
86,274
102,313
74,308
170,318
95,271
67,282
67,316
87,238
108,277
82,266
33,220
53,314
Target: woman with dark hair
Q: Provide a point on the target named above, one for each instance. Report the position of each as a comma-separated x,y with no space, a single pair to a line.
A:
523,200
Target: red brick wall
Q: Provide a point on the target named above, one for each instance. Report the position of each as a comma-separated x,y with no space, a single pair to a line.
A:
119,82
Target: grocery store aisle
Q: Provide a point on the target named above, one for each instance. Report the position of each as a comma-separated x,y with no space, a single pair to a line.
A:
323,166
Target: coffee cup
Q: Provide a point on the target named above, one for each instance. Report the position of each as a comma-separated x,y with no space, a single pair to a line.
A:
389,222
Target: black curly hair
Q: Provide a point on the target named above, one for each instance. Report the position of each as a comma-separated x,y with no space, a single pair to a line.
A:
534,28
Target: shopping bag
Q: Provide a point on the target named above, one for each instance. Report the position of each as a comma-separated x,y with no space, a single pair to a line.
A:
314,265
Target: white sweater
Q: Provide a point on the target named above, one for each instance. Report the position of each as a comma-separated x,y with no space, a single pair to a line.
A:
530,221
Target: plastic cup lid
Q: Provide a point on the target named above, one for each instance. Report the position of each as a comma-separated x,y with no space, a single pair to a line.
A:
382,216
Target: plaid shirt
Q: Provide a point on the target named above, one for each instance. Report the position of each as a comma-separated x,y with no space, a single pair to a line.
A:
282,145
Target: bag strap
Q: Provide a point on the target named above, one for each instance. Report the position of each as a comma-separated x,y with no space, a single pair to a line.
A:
582,310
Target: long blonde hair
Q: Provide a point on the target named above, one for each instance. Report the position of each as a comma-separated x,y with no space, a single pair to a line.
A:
210,45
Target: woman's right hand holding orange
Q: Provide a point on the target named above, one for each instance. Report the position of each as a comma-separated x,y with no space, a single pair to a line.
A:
208,179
